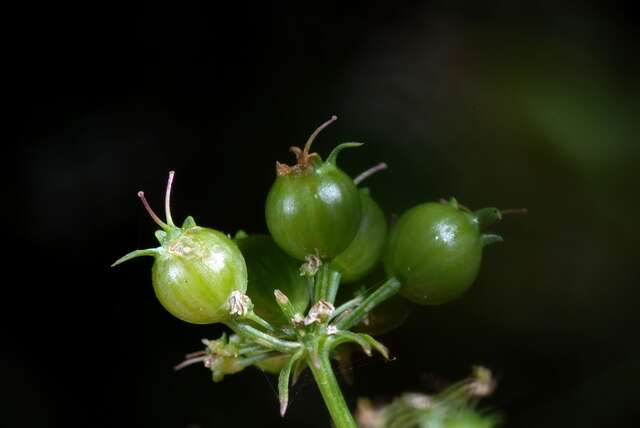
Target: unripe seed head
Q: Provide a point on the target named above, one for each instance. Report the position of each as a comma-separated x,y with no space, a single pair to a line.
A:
195,269
313,207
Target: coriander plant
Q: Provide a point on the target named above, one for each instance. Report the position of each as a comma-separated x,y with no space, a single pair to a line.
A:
330,272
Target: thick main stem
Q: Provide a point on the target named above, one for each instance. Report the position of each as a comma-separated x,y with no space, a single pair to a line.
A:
330,390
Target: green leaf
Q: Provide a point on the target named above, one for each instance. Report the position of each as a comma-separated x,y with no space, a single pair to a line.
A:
283,382
137,253
349,337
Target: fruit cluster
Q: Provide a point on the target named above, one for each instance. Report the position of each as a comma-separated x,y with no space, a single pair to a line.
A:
329,243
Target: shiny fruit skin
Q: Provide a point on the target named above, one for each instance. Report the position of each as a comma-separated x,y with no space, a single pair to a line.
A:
313,210
195,272
365,250
435,250
270,268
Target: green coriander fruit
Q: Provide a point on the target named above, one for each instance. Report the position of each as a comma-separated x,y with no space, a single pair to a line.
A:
313,208
469,418
435,250
195,268
270,268
364,252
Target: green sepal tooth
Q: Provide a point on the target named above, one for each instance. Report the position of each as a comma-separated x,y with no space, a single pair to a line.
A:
487,216
333,156
161,235
240,234
137,253
489,238
283,382
188,222
454,202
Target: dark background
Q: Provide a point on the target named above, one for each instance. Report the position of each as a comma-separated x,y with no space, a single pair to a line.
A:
505,104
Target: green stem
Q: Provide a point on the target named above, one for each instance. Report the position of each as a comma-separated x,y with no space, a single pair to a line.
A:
252,316
385,291
330,390
327,281
263,339
248,361
252,349
346,306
